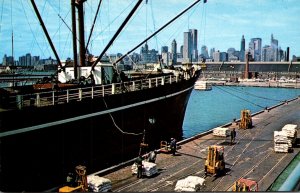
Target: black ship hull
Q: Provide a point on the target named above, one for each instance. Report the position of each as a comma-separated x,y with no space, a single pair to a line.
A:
97,133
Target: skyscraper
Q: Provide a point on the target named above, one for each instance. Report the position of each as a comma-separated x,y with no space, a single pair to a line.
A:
274,45
187,47
242,52
190,50
174,52
255,48
194,39
204,52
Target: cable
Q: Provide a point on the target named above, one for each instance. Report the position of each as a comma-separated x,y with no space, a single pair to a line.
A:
31,29
112,118
254,94
1,15
240,97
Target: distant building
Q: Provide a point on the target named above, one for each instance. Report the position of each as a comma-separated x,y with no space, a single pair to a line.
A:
242,51
194,39
223,57
274,45
148,56
35,60
28,59
204,52
164,49
216,56
166,58
190,50
174,52
187,47
7,60
212,50
255,48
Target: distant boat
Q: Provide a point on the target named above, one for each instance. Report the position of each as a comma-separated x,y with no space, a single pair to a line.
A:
92,114
203,85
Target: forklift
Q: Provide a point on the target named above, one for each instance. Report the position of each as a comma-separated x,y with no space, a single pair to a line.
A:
79,184
245,185
215,163
246,120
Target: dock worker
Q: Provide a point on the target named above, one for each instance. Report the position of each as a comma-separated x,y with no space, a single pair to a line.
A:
152,156
173,146
70,180
232,136
139,164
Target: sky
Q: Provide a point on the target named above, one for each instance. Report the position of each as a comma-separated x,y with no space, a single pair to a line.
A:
220,25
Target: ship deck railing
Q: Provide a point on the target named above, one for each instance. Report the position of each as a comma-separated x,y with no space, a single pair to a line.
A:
41,99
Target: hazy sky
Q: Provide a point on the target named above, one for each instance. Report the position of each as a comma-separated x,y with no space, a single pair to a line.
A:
220,24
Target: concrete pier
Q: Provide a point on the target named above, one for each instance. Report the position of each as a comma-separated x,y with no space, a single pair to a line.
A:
252,156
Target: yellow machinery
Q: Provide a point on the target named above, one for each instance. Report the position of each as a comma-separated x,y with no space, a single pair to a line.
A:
245,185
81,181
215,163
246,120
164,147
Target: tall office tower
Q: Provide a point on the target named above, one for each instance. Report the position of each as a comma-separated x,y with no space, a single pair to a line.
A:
212,50
288,54
194,40
242,52
274,45
187,47
204,52
190,50
181,51
28,59
216,56
174,52
22,61
255,48
267,53
35,60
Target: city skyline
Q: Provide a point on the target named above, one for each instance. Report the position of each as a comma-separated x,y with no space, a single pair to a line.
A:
220,25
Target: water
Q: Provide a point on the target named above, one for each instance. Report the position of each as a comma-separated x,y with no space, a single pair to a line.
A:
210,109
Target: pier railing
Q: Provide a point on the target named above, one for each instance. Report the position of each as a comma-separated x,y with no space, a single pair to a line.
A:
63,96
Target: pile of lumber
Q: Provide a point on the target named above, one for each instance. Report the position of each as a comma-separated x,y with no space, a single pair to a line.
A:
221,132
149,169
98,184
189,184
281,142
286,138
291,131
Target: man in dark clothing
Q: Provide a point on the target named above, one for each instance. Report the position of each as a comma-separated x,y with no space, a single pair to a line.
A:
232,136
173,146
139,163
152,156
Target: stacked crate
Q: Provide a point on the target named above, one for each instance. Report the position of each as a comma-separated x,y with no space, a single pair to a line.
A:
281,142
221,132
99,184
291,131
149,169
285,139
189,184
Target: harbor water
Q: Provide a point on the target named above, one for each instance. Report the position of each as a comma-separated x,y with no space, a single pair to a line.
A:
210,109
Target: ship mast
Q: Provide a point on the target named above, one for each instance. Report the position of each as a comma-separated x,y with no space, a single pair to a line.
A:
79,5
74,38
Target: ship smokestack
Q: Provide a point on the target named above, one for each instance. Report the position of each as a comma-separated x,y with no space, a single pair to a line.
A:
246,73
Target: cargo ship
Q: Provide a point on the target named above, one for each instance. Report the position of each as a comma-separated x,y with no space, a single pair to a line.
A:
92,114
